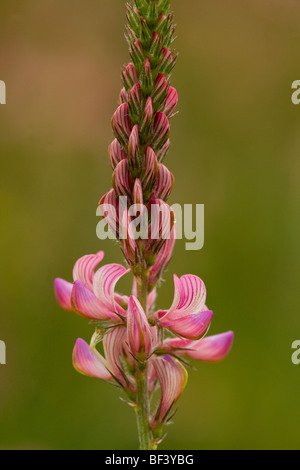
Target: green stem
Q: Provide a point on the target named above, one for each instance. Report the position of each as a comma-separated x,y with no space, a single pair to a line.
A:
142,410
142,398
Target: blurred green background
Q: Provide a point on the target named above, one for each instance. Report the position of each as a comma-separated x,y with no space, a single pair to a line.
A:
235,148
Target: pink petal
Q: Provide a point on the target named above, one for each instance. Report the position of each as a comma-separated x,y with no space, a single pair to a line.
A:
105,281
121,124
115,346
163,258
171,101
89,362
165,182
86,304
122,179
161,130
212,348
130,76
138,329
189,296
162,223
109,207
162,152
133,147
160,89
191,326
116,153
172,377
63,291
148,116
84,268
151,170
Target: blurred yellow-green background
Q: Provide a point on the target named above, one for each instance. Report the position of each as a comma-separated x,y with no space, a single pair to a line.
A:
235,148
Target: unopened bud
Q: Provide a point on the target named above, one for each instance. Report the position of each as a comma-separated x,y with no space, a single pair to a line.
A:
116,153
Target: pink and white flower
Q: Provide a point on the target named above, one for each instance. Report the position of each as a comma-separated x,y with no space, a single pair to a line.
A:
93,294
188,316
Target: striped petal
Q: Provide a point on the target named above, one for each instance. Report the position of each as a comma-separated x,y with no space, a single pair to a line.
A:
191,327
213,348
114,344
148,116
162,223
165,182
133,148
84,268
63,290
189,297
130,76
89,362
138,330
172,377
151,171
135,101
162,152
161,130
116,153
122,180
163,258
87,305
109,208
105,281
171,102
121,124
160,90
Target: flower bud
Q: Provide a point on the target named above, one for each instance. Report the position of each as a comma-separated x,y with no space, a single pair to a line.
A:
122,179
161,131
133,19
155,48
123,97
134,157
170,103
130,76
162,152
172,377
148,117
138,330
150,174
116,153
165,183
137,53
160,90
121,124
147,78
138,193
168,61
135,104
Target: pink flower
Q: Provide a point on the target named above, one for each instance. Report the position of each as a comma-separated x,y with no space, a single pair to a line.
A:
209,349
93,294
172,377
89,362
188,315
121,124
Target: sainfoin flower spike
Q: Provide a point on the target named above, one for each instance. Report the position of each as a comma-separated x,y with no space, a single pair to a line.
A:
134,346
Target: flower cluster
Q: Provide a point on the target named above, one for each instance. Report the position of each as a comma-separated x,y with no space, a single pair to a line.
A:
142,348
